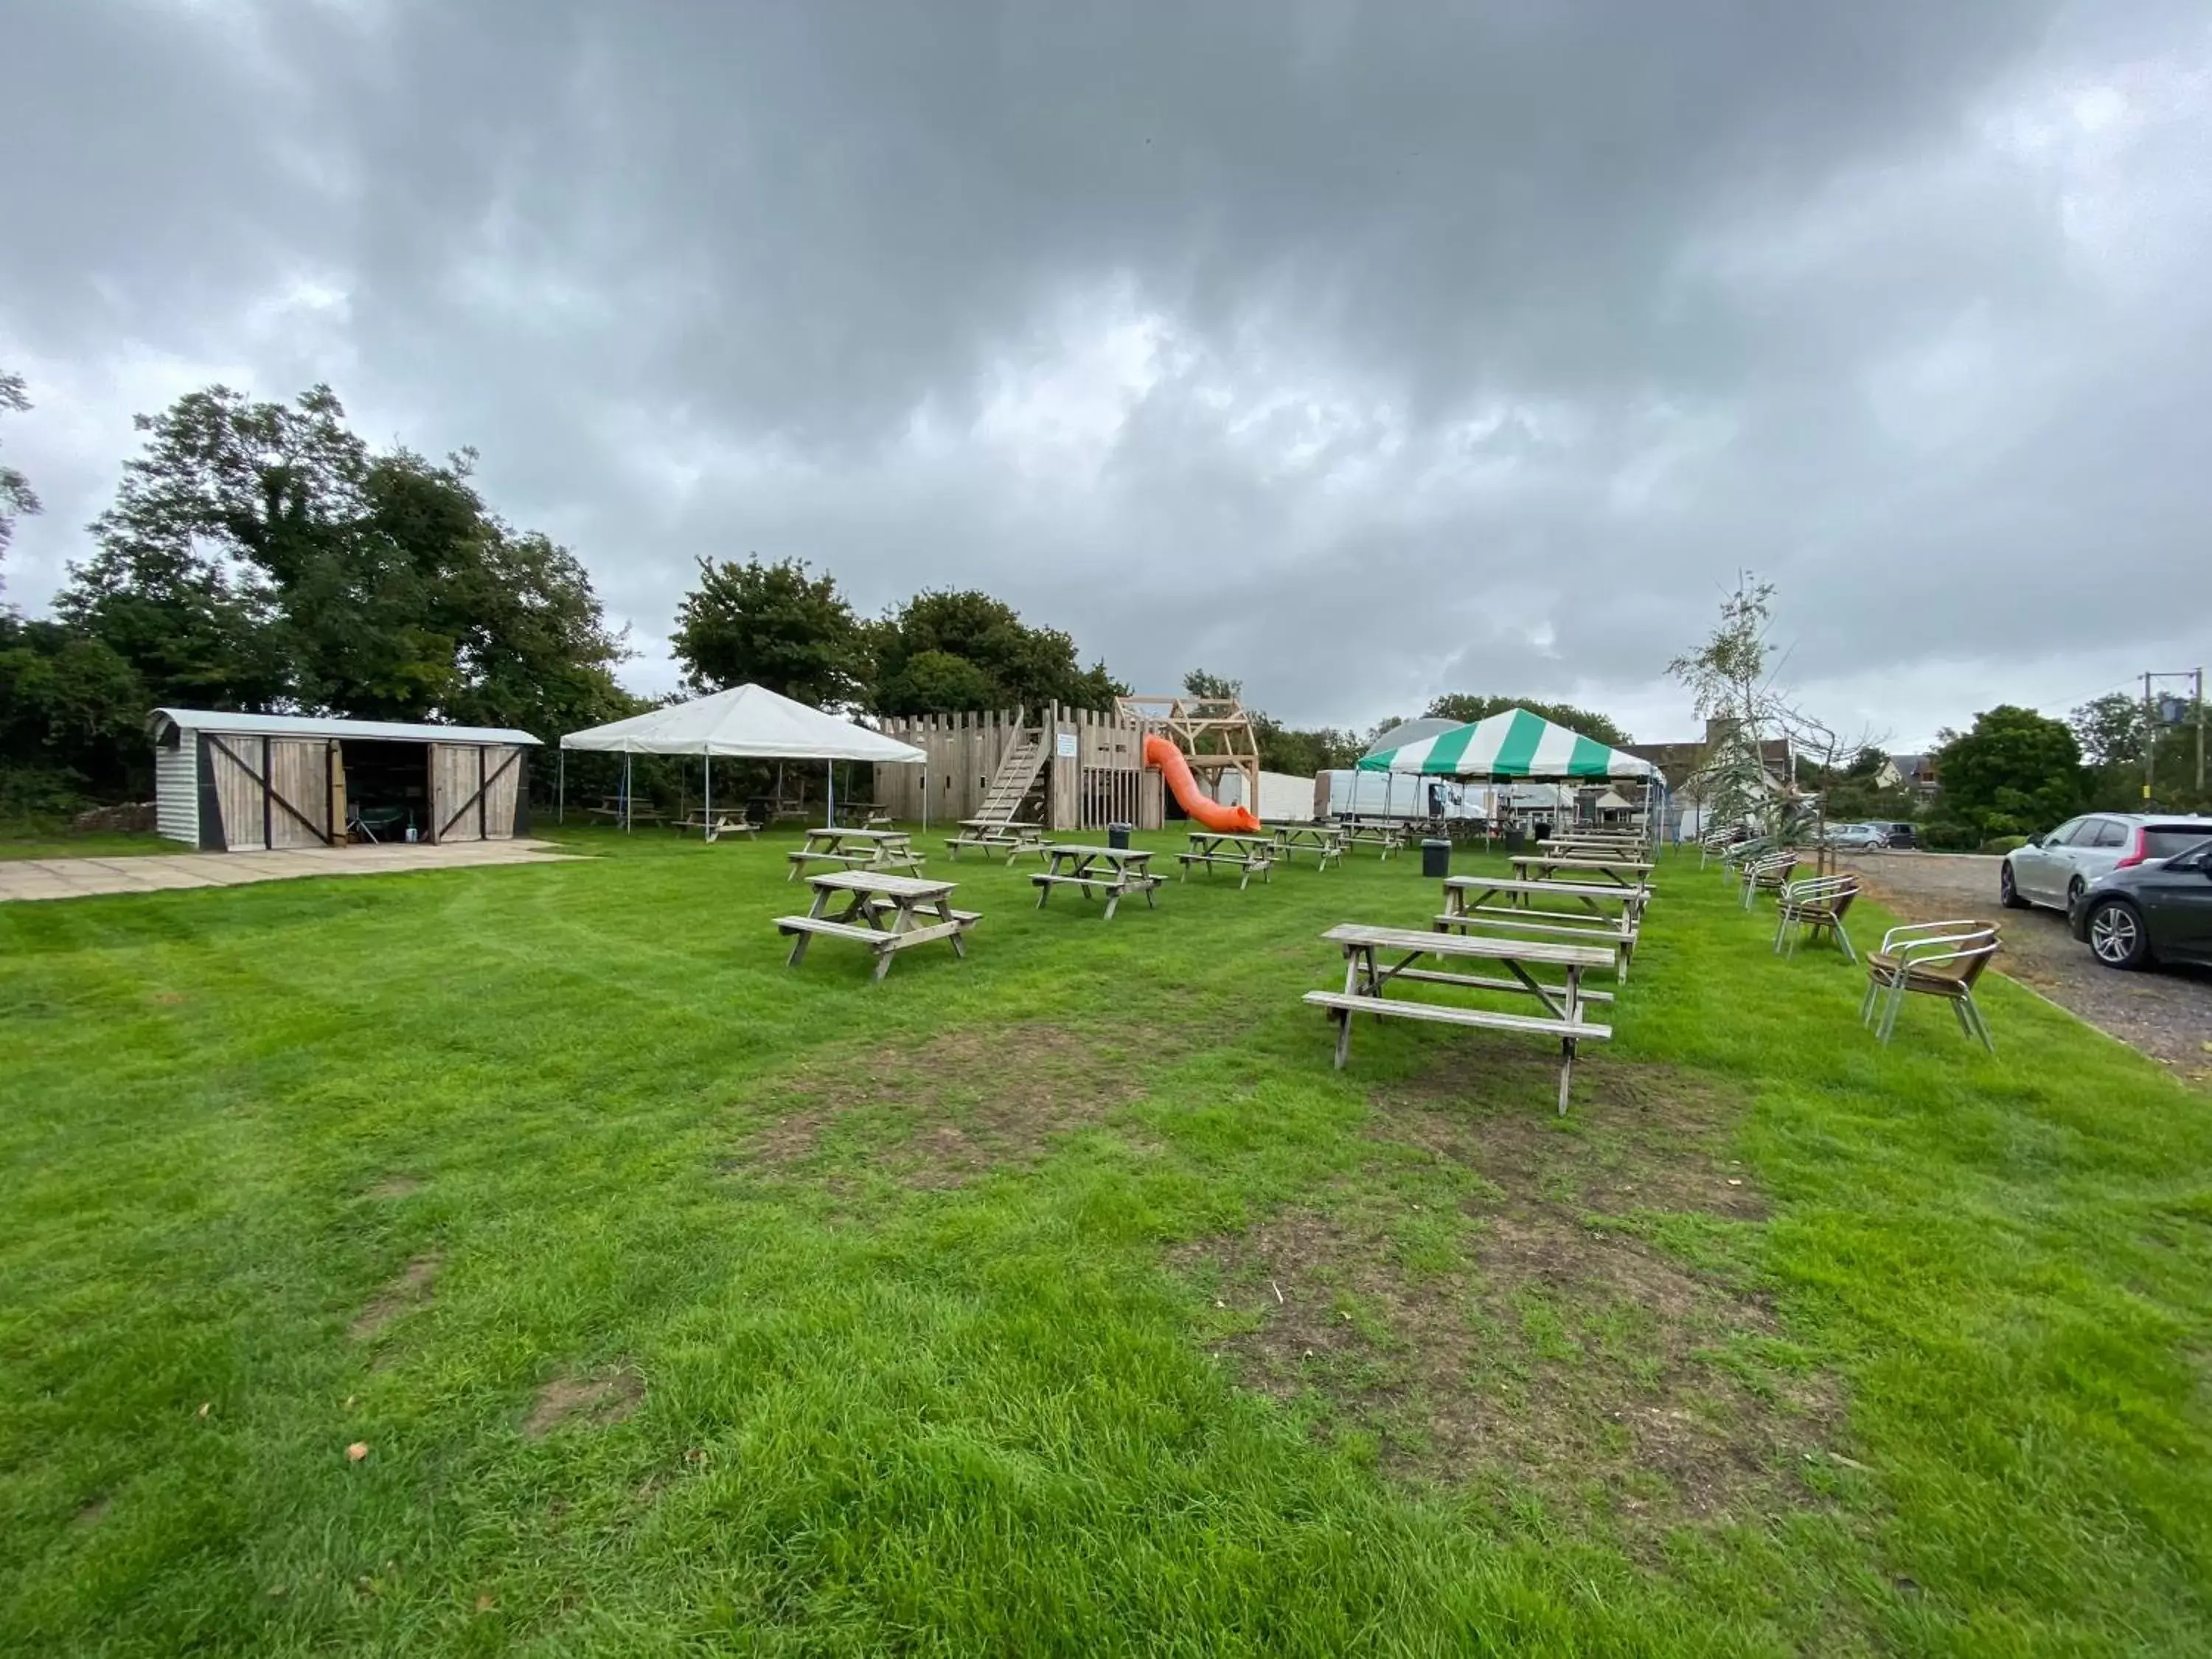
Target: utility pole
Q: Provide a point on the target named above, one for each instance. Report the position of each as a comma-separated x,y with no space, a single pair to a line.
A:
2200,739
2153,708
2150,739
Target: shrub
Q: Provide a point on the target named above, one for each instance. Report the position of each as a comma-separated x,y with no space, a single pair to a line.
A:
1950,835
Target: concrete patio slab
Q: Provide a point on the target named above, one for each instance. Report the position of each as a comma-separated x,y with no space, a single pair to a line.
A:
60,879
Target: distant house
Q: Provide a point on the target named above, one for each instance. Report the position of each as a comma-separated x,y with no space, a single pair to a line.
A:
1916,772
1680,762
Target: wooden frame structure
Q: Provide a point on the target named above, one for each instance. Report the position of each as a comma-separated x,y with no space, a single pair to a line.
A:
1214,733
1093,773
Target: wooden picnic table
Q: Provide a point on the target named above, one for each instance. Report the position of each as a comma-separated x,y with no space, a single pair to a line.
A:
1387,834
1326,839
861,815
994,835
636,809
1536,866
1470,903
878,849
1591,897
885,913
1575,847
1250,855
1113,871
714,826
1367,980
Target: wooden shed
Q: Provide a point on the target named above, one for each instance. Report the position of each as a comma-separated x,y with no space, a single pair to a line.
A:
226,782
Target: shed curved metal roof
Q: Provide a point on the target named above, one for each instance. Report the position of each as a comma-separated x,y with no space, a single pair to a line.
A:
163,721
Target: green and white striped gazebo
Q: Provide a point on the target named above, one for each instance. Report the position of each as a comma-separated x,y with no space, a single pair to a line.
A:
1512,745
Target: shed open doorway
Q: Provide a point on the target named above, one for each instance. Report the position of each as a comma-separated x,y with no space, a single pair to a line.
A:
388,790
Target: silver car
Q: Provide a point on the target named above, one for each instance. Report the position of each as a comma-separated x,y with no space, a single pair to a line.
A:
2055,869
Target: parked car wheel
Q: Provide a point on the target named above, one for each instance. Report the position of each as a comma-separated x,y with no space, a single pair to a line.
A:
2116,935
2074,889
2007,894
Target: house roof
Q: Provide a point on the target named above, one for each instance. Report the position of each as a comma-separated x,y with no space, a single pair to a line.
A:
163,721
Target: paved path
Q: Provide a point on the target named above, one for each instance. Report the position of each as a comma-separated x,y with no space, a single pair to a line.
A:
2166,1012
57,878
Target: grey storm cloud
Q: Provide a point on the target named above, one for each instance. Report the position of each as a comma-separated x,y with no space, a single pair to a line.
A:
1359,351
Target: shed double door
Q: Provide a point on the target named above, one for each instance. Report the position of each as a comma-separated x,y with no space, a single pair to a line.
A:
270,792
475,791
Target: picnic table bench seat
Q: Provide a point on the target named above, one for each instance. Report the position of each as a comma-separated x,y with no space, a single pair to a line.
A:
1250,867
884,913
1114,871
1250,855
1495,1021
993,834
637,813
1367,977
856,849
1325,840
1559,924
717,825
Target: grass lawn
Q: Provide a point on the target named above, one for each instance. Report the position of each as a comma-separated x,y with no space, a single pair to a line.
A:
39,844
1064,1300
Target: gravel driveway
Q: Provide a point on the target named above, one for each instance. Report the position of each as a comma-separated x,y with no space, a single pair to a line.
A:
2167,1013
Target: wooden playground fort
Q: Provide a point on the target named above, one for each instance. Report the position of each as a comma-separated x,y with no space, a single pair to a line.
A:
1064,768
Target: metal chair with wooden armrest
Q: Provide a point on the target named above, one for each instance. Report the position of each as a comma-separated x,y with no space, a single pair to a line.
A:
1932,958
1817,905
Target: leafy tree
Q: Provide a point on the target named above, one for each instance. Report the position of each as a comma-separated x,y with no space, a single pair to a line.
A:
2112,730
772,625
1027,666
1466,706
1200,683
1302,753
1727,676
16,495
261,554
72,718
1853,790
195,637
938,681
2015,773
2118,736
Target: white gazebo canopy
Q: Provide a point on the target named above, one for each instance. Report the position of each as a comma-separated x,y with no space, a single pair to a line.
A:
747,721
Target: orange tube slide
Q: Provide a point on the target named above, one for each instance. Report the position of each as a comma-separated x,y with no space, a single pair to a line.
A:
1159,752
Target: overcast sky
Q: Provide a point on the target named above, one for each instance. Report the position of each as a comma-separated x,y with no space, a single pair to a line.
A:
1358,352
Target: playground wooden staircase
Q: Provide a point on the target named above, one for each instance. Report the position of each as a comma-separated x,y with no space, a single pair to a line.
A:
1016,780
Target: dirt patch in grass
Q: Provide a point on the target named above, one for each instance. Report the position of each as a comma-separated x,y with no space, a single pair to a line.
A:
91,1513
594,1402
1637,1136
1585,1324
409,1292
940,1113
397,1185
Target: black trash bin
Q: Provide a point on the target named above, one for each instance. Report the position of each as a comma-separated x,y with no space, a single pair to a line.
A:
1117,836
1516,838
1436,858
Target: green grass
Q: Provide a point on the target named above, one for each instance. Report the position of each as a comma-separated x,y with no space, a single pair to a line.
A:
963,1312
46,844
